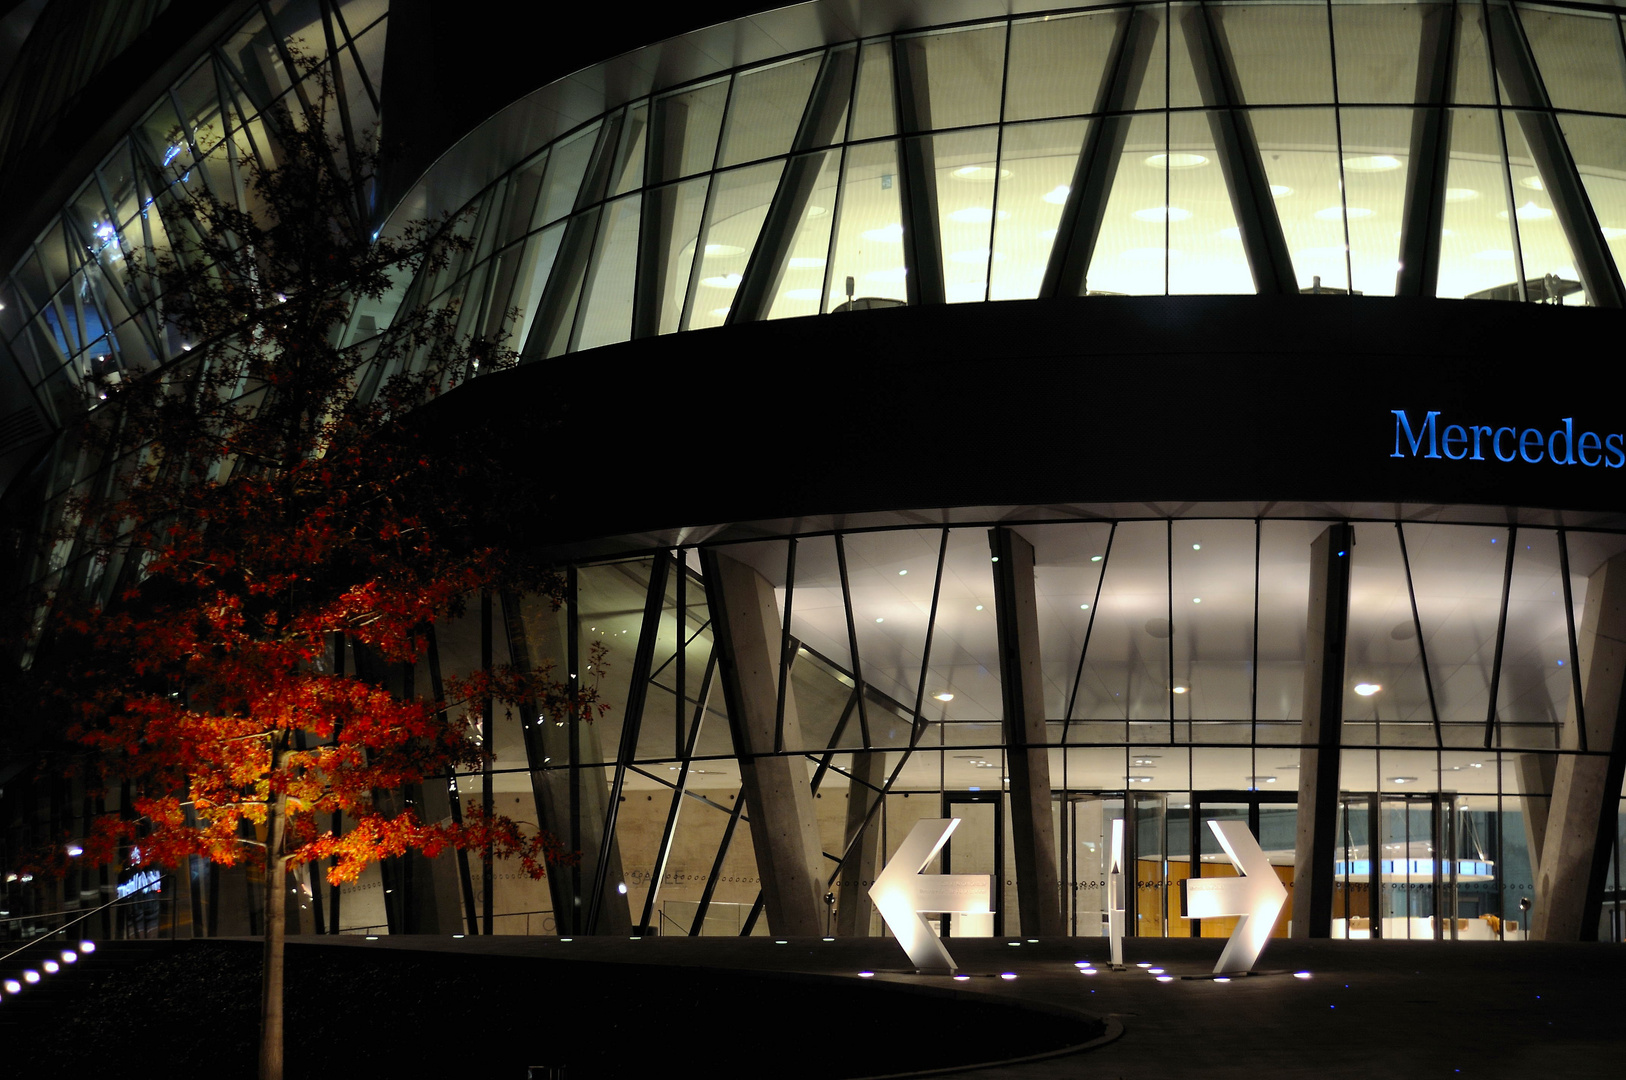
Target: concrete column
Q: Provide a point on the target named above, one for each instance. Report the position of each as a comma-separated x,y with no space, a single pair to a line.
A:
778,795
852,888
1325,627
1536,774
1027,759
1586,787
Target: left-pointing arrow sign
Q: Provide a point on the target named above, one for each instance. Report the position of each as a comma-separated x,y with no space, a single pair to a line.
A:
902,892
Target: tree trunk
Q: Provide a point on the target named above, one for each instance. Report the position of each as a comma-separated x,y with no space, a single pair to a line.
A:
276,936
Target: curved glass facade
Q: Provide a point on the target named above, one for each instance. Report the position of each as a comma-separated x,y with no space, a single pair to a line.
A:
1452,150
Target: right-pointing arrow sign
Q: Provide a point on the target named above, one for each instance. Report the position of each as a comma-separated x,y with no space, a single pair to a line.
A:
1257,896
902,892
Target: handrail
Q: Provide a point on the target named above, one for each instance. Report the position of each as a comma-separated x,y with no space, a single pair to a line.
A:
35,941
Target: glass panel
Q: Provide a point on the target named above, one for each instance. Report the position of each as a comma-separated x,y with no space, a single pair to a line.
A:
1377,146
739,203
1213,620
966,180
1598,145
1300,152
687,125
869,240
540,250
1472,67
965,641
1549,266
1126,671
1036,164
1534,690
628,172
1381,658
680,209
1476,254
606,314
962,75
1169,80
801,285
1066,572
1579,57
767,108
1057,64
567,165
1205,246
1378,47
1259,35
873,114
1457,570
1129,255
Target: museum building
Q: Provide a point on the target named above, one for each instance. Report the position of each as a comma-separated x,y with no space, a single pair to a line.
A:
1035,416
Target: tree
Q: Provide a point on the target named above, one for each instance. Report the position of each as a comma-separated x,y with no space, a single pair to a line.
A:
264,503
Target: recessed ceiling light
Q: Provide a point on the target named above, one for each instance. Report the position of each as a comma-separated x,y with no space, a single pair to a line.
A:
1196,599
979,607
724,249
1057,195
1532,182
985,174
1372,163
1402,779
894,275
1609,233
1083,607
1158,213
880,620
1495,254
944,696
1095,558
1140,779
1196,547
802,294
886,233
806,262
1460,194
1180,689
902,572
1233,233
1367,689
1528,212
725,281
1281,191
1176,161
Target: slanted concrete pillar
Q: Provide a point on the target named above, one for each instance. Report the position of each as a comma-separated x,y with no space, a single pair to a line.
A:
778,795
1586,788
533,642
1536,774
1325,627
852,888
1027,758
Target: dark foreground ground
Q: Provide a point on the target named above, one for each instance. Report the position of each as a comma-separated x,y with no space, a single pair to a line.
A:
729,1007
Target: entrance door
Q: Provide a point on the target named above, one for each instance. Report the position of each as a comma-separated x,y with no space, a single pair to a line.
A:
1409,867
1272,818
977,846
1086,845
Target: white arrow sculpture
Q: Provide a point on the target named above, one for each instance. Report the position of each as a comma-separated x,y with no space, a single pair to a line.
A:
902,892
1115,894
1257,896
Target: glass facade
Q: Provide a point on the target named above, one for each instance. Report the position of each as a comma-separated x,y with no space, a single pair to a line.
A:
1429,150
1435,150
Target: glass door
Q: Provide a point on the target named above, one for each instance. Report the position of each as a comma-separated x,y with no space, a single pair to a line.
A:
1272,818
977,846
1086,845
